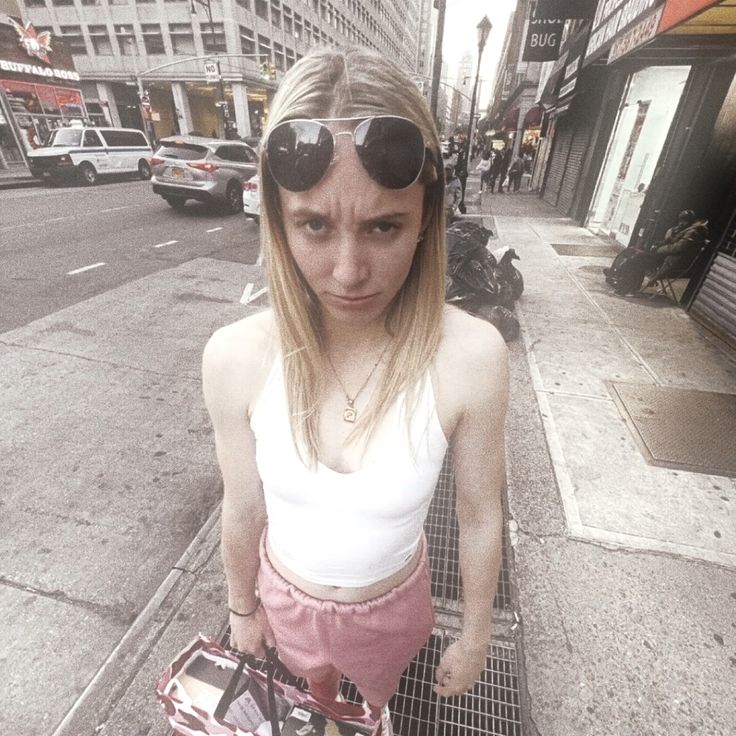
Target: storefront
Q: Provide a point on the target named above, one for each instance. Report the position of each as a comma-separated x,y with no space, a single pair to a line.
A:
39,90
642,126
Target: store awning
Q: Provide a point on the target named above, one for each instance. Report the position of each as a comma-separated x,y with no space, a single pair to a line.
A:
533,118
511,119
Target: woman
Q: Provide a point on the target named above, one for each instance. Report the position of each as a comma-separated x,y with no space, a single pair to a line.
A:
484,167
333,410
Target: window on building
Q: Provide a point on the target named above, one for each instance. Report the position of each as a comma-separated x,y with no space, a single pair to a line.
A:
126,40
100,40
90,2
62,2
213,38
73,38
262,9
298,28
182,38
143,2
264,47
244,4
153,39
35,3
278,56
290,58
288,25
247,40
119,2
276,13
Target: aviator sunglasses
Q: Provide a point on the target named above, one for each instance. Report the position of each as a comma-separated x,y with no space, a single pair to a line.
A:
391,149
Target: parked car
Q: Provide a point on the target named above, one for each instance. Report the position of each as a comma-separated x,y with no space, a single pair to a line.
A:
206,169
86,153
252,198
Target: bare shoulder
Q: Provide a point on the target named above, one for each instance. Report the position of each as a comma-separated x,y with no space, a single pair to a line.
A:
236,361
472,362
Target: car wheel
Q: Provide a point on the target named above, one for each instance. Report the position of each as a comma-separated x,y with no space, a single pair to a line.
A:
144,169
178,203
234,198
88,174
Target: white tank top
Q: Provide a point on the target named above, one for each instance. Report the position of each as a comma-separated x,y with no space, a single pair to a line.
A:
348,529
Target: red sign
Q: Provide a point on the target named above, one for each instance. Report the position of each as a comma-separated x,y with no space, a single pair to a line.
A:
34,44
675,11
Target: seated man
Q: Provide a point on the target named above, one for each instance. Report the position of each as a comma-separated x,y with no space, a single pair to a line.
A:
681,244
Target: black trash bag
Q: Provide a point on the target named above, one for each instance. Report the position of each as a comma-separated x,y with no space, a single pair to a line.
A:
626,272
509,279
504,320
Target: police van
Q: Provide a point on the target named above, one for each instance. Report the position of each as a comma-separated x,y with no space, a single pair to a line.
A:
87,153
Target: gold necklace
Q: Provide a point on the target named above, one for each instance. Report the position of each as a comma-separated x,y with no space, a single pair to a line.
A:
350,413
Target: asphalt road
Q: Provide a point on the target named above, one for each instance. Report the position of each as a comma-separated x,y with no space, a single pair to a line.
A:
62,245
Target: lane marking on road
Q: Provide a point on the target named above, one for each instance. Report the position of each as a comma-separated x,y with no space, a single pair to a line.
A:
249,296
85,268
214,229
66,217
124,207
168,242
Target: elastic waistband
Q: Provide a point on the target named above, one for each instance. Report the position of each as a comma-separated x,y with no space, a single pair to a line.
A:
274,578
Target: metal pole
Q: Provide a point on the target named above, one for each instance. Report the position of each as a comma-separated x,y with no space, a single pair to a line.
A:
468,140
437,66
221,83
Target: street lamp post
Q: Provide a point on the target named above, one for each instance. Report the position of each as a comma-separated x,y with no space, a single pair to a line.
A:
484,29
222,102
144,103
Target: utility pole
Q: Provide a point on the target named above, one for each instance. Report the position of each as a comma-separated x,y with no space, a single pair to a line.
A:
437,67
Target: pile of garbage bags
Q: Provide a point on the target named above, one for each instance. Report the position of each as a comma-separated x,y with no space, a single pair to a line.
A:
484,283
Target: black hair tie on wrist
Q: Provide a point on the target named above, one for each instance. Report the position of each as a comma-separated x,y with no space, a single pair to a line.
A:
250,613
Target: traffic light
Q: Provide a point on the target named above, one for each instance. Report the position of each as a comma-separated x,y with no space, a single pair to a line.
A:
268,71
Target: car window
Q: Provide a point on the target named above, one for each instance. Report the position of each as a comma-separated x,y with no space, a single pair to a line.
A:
181,150
91,139
65,137
227,153
124,138
250,155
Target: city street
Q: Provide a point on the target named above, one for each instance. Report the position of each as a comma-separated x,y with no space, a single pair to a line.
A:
61,245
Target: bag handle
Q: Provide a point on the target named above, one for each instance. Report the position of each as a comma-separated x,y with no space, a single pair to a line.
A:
272,664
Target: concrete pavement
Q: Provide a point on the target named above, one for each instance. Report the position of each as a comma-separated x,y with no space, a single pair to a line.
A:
626,595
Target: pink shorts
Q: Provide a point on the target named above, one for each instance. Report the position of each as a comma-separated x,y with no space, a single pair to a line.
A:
371,642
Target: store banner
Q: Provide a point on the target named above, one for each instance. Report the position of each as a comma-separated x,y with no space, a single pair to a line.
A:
643,31
543,37
613,18
563,9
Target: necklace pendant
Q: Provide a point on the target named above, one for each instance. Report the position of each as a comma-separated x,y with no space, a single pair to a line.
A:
349,413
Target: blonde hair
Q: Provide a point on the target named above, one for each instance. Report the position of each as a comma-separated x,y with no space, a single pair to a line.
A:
352,82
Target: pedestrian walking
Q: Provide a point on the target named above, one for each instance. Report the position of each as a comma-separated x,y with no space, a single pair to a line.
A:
503,168
484,167
516,171
453,193
333,410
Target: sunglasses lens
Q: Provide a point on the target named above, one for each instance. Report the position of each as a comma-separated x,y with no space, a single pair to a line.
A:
391,150
299,152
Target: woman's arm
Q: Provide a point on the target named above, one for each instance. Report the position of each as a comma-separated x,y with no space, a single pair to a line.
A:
479,459
225,372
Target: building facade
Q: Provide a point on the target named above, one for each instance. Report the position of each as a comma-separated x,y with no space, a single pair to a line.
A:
152,59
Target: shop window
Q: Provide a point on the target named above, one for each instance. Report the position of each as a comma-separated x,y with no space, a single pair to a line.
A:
244,4
213,38
126,40
73,38
264,47
278,56
47,96
153,39
247,41
100,40
70,102
276,13
288,25
262,9
182,38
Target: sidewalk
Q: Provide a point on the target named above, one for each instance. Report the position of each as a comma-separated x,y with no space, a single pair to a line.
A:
17,177
625,572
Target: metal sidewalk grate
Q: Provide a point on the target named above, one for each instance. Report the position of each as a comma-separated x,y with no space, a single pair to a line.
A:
491,709
586,249
442,533
680,428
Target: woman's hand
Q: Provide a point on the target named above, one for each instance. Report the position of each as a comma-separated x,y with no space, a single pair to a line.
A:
251,634
459,669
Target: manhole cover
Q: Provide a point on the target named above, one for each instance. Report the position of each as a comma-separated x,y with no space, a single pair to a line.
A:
681,428
586,249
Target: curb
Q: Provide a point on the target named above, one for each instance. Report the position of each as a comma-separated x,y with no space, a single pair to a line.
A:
20,183
115,674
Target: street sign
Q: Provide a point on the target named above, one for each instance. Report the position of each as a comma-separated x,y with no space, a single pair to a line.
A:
211,71
145,101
